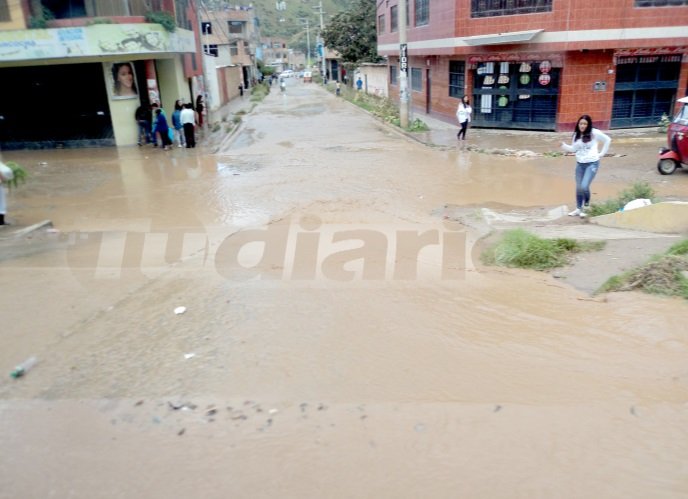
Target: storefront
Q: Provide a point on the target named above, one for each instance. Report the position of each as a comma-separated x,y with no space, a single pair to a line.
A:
516,91
645,88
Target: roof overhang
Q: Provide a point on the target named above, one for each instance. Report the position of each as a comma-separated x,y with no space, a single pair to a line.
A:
502,38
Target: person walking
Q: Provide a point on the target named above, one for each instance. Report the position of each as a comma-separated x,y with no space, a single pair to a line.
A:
188,119
177,124
463,115
359,84
584,144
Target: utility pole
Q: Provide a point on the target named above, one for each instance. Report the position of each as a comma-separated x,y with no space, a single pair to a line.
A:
322,39
308,42
403,68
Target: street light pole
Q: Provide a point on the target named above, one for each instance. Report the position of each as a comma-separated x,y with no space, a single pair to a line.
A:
322,39
403,68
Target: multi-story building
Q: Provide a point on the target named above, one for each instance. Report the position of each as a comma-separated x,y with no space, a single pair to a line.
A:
540,64
61,62
275,53
230,34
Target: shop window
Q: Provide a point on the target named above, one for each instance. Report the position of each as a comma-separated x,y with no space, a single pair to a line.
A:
457,78
381,24
393,75
393,18
491,8
422,11
416,79
660,3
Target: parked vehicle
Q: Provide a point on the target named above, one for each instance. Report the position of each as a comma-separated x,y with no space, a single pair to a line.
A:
287,73
676,155
307,77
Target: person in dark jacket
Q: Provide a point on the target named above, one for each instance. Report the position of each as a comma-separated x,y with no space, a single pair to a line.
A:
142,116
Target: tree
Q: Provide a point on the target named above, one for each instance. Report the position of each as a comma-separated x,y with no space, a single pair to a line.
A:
352,33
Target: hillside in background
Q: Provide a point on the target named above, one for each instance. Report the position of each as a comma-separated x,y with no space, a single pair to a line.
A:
286,18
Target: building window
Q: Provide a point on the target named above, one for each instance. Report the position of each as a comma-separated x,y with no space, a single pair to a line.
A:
393,18
490,8
457,78
233,49
381,24
416,79
422,8
211,50
236,27
660,3
393,75
4,11
207,28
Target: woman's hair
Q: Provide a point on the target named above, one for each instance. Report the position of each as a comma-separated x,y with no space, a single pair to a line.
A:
588,131
178,105
115,75
465,100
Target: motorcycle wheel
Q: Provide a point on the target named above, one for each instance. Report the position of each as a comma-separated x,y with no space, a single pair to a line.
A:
666,166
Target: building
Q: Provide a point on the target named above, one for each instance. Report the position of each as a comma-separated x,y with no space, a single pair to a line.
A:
540,64
275,53
230,35
60,61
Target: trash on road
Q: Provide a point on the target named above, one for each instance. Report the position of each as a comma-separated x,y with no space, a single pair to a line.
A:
179,310
188,356
21,369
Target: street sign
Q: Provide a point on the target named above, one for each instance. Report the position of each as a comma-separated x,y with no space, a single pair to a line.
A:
403,58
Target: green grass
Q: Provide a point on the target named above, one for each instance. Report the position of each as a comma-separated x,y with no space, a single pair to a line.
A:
521,249
19,173
639,190
661,275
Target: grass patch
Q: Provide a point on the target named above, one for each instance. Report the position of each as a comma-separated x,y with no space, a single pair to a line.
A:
259,91
639,190
236,119
521,249
661,275
216,127
19,175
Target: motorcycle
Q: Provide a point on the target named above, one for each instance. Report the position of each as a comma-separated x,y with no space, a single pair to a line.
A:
676,155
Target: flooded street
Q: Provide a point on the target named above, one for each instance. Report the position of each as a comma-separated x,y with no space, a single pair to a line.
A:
307,363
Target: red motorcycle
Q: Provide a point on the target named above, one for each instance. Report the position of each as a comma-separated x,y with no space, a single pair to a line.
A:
676,155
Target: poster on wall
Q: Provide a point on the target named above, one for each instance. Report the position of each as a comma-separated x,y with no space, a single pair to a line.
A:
123,80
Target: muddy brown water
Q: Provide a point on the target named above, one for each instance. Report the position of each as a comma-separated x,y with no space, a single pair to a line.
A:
311,375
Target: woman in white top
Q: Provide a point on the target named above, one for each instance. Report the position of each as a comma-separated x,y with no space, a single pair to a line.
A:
463,114
584,144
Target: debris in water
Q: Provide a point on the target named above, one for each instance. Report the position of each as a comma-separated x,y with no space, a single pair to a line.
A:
179,310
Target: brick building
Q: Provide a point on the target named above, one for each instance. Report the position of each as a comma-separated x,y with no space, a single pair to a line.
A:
540,64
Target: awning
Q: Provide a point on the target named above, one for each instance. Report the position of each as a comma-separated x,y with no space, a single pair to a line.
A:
502,38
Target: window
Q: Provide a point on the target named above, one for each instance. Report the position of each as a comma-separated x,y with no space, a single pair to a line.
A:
422,8
381,24
236,27
457,78
233,49
393,75
207,28
490,8
211,50
393,18
416,79
4,11
660,3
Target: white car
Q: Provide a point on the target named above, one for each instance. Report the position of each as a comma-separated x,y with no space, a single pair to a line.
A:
287,73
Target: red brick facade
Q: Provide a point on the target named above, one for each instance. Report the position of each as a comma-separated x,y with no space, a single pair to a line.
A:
584,40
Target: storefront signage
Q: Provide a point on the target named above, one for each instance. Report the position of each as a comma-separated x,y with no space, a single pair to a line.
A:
552,60
403,58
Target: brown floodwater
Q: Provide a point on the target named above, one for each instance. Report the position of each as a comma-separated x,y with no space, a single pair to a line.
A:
327,368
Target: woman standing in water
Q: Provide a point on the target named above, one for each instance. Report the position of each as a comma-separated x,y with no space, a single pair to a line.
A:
463,115
584,144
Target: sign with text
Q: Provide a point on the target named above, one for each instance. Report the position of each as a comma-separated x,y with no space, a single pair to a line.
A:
403,58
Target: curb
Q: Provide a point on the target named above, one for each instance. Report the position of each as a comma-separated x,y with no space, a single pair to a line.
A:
28,230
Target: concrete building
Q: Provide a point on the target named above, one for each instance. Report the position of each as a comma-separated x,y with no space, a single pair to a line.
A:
540,64
230,36
60,62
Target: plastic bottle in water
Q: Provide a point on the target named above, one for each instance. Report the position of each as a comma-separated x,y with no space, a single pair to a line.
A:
23,368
